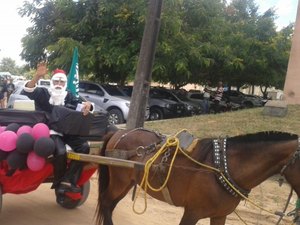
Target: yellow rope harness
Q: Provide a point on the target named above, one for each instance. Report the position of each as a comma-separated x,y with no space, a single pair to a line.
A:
174,142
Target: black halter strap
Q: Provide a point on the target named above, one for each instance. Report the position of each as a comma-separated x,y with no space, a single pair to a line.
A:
220,160
293,159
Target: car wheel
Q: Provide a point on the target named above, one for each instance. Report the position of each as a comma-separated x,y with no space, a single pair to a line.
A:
156,114
201,110
115,116
248,104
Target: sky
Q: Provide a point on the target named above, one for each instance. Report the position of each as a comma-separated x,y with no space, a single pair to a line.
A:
13,27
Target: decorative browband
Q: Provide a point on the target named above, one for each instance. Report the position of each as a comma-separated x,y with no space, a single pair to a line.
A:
220,160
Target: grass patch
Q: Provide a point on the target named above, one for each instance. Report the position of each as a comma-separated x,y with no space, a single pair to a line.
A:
230,123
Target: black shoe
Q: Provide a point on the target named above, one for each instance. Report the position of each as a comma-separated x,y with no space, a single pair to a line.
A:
60,198
68,187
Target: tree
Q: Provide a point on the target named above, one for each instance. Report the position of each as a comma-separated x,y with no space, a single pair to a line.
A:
199,40
9,65
255,55
184,51
107,34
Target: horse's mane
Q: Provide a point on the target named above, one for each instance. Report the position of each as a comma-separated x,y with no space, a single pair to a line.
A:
264,136
206,144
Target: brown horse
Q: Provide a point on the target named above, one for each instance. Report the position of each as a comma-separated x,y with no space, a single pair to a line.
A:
246,161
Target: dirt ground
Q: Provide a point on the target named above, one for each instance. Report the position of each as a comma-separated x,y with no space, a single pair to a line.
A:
39,208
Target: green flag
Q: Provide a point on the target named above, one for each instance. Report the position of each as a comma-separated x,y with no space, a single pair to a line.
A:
73,76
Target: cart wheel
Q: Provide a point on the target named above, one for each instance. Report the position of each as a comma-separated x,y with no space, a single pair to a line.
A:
69,203
0,198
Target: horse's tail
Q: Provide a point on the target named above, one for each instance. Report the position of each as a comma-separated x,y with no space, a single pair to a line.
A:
103,180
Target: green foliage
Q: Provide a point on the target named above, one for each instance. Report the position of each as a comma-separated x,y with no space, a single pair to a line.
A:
9,65
199,40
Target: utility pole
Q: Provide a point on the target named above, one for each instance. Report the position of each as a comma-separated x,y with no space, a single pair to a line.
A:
143,74
292,80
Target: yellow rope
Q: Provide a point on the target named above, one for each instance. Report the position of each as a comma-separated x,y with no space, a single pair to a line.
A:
241,219
174,142
145,184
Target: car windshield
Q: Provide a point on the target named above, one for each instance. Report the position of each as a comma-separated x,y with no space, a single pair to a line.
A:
128,91
181,96
113,90
155,94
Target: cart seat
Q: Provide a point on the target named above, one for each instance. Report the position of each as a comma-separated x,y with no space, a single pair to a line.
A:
27,105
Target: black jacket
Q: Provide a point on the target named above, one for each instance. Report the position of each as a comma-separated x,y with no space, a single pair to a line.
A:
41,98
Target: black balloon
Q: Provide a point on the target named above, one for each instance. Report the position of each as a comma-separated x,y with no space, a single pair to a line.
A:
16,160
44,147
13,127
3,155
25,143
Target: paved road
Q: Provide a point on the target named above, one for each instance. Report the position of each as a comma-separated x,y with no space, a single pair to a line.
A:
39,208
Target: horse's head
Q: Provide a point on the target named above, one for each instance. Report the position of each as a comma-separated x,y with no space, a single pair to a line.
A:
252,158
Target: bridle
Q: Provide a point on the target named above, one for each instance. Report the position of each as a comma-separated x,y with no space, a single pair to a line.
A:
292,160
220,160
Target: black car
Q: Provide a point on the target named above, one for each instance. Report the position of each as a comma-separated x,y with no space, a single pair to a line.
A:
246,101
160,108
224,104
191,108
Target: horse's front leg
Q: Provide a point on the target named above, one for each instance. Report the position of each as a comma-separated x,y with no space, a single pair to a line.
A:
189,217
218,220
110,201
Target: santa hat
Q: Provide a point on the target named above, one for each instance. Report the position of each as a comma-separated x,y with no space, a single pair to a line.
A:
59,74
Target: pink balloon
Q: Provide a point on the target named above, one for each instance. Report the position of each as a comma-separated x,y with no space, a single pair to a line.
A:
24,129
35,162
2,128
40,130
8,140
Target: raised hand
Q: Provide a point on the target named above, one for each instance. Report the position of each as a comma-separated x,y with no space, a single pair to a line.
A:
41,70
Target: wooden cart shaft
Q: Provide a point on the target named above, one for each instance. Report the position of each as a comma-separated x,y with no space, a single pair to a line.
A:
105,160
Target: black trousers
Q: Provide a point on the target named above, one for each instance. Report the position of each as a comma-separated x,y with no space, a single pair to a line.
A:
72,172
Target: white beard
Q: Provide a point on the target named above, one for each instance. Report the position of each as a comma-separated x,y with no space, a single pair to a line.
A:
57,97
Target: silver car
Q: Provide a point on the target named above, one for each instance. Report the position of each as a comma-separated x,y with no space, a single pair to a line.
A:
16,95
110,98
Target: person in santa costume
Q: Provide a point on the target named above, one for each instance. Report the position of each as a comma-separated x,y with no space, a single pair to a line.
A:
45,99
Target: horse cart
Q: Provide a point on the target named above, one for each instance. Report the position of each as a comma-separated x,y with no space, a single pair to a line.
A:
213,170
24,180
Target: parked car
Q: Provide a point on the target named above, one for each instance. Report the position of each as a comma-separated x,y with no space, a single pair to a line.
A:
191,108
225,105
109,97
16,95
160,108
196,105
195,96
247,101
44,83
